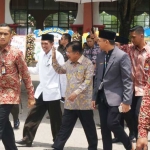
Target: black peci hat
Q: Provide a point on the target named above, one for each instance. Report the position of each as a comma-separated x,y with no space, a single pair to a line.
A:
47,37
122,40
105,34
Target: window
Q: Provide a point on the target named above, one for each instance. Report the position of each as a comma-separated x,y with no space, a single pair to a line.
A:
110,21
142,20
26,12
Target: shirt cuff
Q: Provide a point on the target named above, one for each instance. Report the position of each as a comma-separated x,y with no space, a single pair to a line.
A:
77,92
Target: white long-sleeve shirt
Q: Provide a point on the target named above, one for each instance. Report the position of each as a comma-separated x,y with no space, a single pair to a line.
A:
51,84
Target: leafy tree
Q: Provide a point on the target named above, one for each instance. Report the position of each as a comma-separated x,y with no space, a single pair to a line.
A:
127,10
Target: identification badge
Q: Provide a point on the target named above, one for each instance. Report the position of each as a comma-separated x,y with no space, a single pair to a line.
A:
3,70
146,67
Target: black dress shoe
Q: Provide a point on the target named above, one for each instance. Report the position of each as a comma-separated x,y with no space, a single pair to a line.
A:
16,124
52,145
115,140
24,142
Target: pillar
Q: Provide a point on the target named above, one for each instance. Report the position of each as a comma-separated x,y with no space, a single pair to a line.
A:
2,11
87,18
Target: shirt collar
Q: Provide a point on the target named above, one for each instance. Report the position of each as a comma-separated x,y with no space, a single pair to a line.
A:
7,48
80,60
146,47
49,53
109,52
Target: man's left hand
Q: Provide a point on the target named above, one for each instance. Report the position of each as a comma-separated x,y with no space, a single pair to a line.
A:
72,97
125,107
142,144
31,103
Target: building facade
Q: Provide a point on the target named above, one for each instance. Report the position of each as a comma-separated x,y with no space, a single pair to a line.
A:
28,15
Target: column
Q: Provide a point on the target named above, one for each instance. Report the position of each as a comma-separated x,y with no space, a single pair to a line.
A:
2,11
87,18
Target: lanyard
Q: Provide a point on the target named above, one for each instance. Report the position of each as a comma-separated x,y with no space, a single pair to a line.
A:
106,60
3,67
105,63
47,62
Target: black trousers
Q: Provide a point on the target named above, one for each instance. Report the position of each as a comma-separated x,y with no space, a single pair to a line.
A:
68,122
6,131
36,114
110,121
135,109
15,112
127,117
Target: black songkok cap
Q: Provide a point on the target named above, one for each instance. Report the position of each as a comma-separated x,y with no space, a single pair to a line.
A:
48,37
122,40
109,35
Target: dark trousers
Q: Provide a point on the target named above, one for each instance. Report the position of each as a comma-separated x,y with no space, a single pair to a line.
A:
135,109
127,117
37,113
68,122
15,112
110,121
6,131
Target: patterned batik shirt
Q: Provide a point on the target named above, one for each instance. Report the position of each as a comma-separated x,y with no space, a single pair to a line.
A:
15,65
91,53
79,80
138,58
144,116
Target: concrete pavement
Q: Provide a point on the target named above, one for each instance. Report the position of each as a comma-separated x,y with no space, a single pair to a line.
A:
43,139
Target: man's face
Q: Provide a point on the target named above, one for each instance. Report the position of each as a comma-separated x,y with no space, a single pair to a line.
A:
136,38
90,42
46,45
63,40
118,44
5,36
102,43
72,56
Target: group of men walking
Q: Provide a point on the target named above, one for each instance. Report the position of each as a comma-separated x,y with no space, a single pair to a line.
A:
120,74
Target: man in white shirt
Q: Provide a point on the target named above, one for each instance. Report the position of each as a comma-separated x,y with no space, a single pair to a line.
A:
48,93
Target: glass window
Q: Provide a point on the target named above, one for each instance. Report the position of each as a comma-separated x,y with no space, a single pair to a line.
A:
110,21
142,20
20,17
51,20
72,16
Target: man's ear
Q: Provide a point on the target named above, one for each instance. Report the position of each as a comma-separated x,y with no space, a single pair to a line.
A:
142,35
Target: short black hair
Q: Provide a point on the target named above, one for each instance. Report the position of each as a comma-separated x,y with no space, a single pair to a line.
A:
6,25
67,36
137,29
88,37
76,46
112,42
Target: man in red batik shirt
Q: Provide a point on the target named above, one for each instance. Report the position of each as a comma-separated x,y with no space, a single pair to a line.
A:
12,64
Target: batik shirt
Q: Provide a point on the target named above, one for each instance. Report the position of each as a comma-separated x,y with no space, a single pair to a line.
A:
144,116
92,53
15,65
138,58
79,80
